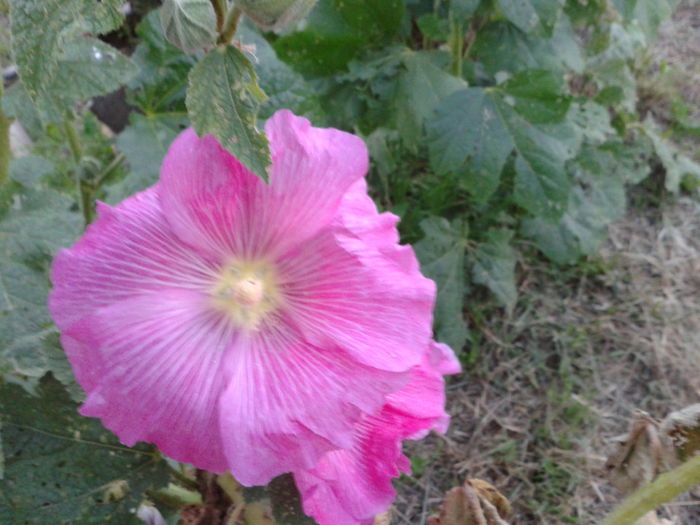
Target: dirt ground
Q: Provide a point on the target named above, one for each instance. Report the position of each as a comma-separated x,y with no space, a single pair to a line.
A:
553,384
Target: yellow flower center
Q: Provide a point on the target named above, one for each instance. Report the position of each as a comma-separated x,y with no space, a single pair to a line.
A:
246,292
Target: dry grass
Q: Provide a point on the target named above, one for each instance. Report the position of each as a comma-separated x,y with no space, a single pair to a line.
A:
558,380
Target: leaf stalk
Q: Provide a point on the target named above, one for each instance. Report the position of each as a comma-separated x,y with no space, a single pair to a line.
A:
230,25
5,152
665,488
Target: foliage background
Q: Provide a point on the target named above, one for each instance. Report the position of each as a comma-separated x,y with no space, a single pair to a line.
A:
507,135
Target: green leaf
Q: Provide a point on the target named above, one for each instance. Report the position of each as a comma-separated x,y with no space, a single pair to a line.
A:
421,86
223,99
441,254
28,171
63,468
648,14
500,46
31,233
58,64
434,27
463,9
532,15
17,104
163,70
275,14
676,164
527,115
597,199
285,88
189,24
337,30
144,143
493,266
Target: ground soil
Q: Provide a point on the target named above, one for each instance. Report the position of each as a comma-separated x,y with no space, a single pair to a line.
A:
551,385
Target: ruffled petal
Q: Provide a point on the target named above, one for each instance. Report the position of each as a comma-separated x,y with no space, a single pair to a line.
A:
340,290
160,360
216,204
289,402
128,250
349,487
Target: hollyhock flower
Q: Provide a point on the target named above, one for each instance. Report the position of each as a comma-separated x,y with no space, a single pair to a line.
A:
350,487
240,325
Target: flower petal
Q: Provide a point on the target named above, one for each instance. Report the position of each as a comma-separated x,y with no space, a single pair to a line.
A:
289,402
341,290
348,487
216,204
128,250
160,361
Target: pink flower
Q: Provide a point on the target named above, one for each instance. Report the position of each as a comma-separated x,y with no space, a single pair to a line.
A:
251,327
350,487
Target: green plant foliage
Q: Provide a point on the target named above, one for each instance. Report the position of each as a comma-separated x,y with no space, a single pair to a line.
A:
144,143
676,164
284,87
29,236
58,64
441,254
525,115
189,24
63,468
494,266
532,15
223,99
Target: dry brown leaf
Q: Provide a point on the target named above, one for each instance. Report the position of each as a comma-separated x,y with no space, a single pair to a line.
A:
474,503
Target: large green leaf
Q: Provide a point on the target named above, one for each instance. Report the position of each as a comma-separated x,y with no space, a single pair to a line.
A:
493,266
57,63
337,30
441,254
597,199
29,236
223,99
421,86
648,14
532,15
475,130
144,143
62,468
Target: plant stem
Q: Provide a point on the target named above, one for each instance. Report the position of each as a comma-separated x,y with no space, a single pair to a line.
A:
230,25
663,489
76,150
456,46
5,152
220,10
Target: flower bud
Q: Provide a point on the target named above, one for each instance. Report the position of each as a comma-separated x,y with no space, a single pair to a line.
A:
275,14
188,24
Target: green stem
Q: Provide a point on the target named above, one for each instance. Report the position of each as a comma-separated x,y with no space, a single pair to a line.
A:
116,162
5,152
83,192
220,10
663,489
457,47
230,26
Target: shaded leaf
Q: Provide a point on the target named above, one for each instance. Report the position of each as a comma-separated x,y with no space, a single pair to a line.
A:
475,130
189,24
40,223
275,14
144,143
500,46
63,468
58,64
532,15
441,254
223,99
493,266
420,87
